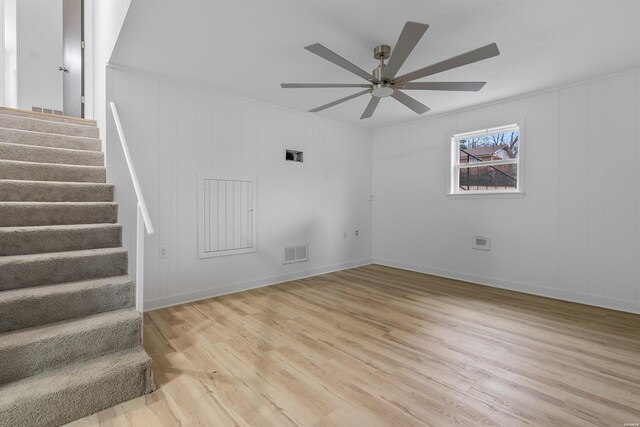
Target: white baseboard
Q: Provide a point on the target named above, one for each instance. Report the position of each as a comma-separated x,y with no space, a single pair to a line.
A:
614,304
163,302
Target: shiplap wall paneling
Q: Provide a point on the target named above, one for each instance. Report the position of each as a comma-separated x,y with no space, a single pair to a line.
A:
186,157
620,166
573,192
167,180
576,232
597,186
637,132
178,132
143,101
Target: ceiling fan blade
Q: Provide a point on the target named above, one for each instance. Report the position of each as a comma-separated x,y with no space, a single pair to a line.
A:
319,85
331,56
408,101
339,101
409,38
371,107
457,86
470,57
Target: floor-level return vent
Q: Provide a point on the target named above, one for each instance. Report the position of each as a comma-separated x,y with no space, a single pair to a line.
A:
297,253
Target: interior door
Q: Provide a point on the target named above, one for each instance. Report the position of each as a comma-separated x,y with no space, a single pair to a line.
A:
73,80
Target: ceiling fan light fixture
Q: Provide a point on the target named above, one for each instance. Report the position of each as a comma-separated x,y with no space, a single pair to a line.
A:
382,90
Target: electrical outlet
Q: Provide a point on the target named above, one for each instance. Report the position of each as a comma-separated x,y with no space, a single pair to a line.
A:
356,233
163,252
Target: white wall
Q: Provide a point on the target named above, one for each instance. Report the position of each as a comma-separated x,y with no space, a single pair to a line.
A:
575,235
39,54
177,131
108,16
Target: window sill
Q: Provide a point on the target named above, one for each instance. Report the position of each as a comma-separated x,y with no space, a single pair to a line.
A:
487,195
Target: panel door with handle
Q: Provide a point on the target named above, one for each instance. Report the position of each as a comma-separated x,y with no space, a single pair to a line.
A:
73,80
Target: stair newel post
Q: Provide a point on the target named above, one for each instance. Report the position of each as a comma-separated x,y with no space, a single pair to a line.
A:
140,259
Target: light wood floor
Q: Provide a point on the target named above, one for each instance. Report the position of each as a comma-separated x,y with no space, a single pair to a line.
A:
376,346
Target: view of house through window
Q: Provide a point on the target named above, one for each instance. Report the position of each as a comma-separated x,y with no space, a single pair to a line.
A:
486,160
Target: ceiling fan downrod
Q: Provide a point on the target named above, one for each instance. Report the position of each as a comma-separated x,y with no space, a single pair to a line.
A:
381,87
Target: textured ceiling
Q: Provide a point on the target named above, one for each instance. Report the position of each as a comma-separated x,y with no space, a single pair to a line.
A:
249,47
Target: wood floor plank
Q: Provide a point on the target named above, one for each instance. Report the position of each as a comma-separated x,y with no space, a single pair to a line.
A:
378,346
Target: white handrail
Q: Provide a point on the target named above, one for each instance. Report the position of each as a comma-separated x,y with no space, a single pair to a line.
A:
132,171
143,221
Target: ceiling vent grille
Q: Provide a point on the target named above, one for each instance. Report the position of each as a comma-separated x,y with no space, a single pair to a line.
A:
297,253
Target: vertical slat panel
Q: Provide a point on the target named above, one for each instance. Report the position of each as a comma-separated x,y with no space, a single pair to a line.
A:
237,214
207,214
228,220
244,215
229,215
213,212
251,227
222,216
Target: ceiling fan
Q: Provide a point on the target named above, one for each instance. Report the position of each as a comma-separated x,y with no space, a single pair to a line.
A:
383,81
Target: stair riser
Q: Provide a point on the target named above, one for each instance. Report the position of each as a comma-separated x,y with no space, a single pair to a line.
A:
21,242
77,401
29,153
20,274
17,136
53,214
76,346
47,308
48,172
35,125
24,191
48,117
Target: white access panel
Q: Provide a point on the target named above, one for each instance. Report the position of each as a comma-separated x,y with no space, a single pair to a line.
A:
226,209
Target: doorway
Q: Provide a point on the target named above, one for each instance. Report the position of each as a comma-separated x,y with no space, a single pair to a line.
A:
42,58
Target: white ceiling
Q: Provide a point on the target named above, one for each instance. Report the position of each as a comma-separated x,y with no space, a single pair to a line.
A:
248,47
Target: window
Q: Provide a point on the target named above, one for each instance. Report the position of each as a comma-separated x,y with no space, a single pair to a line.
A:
486,161
226,211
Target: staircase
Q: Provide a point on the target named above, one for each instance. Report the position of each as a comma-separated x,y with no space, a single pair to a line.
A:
70,337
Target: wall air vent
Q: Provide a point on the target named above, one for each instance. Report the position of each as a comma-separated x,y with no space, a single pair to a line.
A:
293,156
46,110
297,253
481,243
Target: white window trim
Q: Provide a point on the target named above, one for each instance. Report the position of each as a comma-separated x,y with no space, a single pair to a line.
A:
202,229
454,164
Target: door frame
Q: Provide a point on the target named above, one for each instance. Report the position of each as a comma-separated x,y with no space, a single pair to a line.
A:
86,26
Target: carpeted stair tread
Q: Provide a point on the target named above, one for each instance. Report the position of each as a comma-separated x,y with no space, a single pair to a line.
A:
47,116
58,238
47,126
32,153
23,308
69,332
14,214
52,191
57,397
23,271
30,171
29,351
40,139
